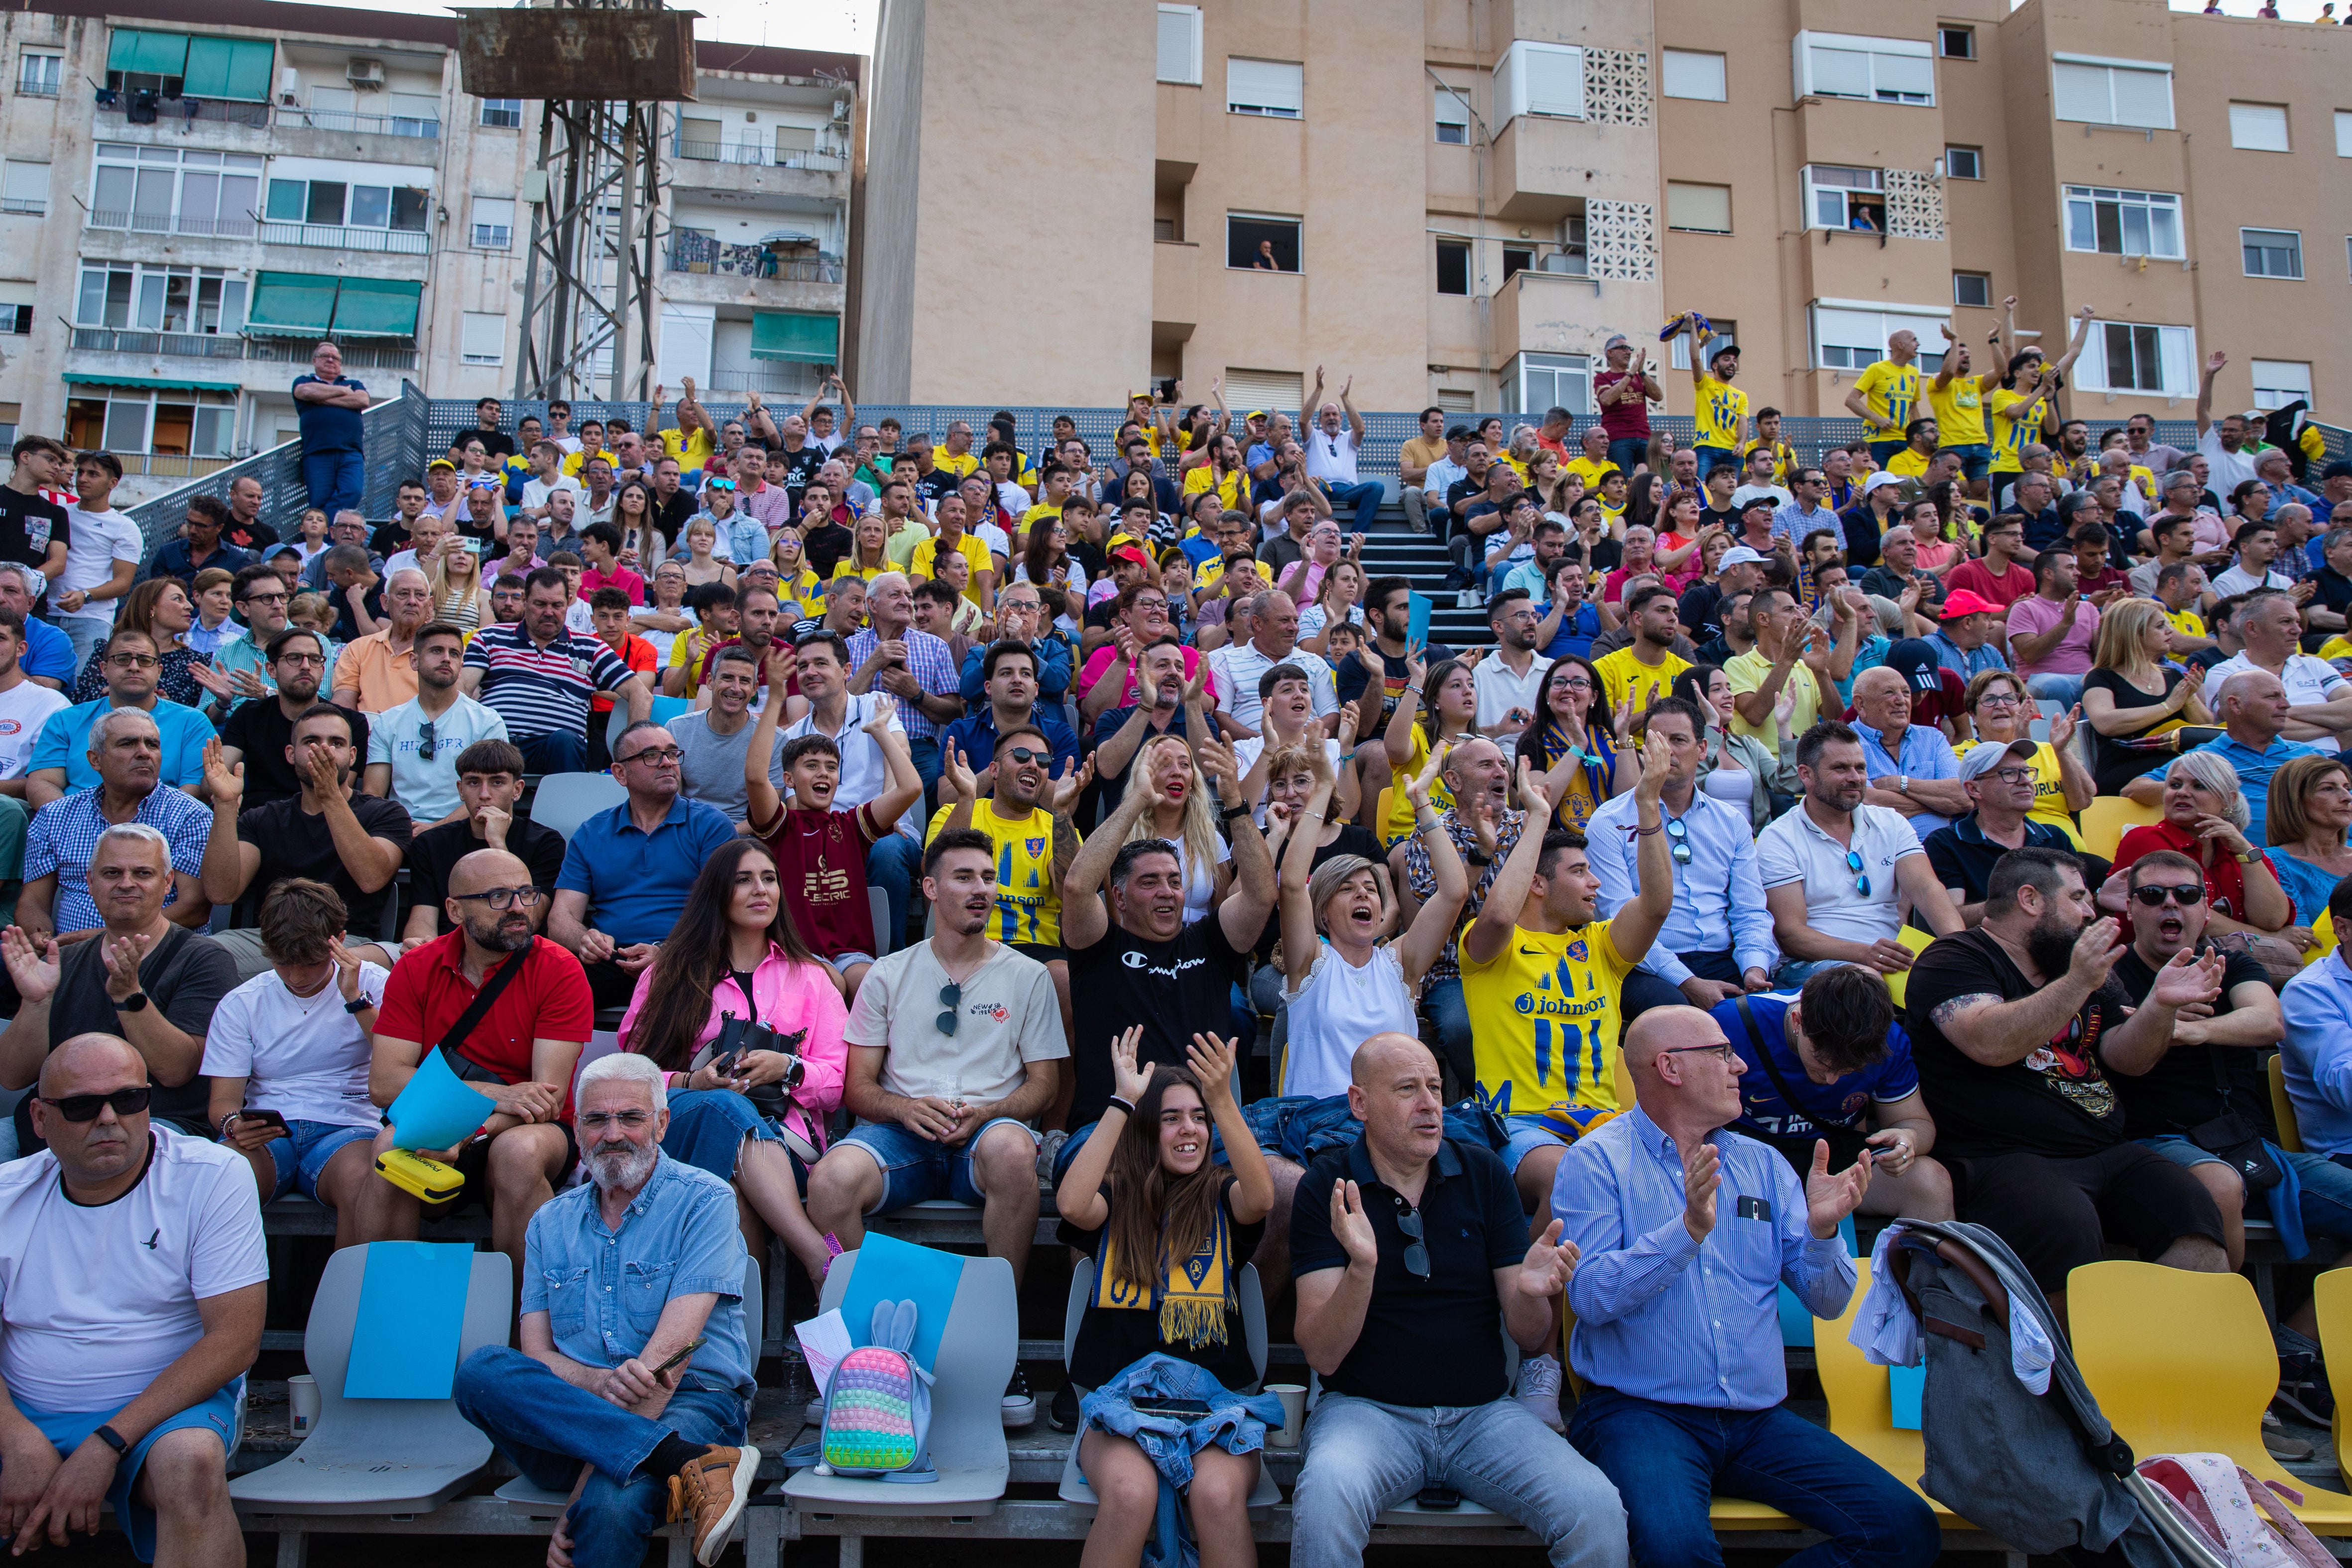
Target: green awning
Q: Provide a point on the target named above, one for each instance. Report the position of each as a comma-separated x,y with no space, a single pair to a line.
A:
229,67
292,305
797,335
377,308
148,384
159,54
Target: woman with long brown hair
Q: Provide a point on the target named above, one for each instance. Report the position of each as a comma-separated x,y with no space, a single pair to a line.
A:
162,608
756,1118
1170,1230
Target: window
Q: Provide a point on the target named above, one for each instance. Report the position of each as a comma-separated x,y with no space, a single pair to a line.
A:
1964,163
2279,382
482,338
2124,223
1686,73
1956,43
1846,337
1453,267
37,75
1270,389
1972,288
2271,252
332,204
2112,92
1533,383
493,223
1540,79
1275,88
2124,357
1261,244
1453,115
1179,44
123,422
2258,127
1880,71
2344,133
1517,259
198,301
1844,198
503,113
16,320
25,188
1726,334
1700,209
413,114
158,190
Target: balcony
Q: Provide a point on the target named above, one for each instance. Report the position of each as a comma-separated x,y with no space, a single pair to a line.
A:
289,119
1546,167
343,236
697,271
770,378
692,253
164,222
23,206
144,109
751,166
358,353
752,150
180,345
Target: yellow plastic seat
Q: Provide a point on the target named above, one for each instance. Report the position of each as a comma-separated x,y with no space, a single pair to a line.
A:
2106,818
2283,1109
1380,812
2331,1302
2183,1364
1862,1405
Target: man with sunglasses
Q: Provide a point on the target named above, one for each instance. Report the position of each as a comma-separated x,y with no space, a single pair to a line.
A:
60,759
489,785
155,1241
412,750
259,731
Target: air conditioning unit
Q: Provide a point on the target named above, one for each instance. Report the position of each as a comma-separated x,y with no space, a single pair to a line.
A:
289,85
363,73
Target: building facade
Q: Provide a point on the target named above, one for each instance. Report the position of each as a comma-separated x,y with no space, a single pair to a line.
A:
187,206
1457,201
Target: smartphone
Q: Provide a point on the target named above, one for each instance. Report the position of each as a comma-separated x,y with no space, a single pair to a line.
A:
1438,1499
271,1117
1153,1404
684,1354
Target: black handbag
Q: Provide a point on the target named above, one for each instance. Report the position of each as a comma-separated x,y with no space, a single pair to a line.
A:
772,1101
2233,1140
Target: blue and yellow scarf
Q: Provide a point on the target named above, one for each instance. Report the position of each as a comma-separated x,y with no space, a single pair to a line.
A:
1192,1297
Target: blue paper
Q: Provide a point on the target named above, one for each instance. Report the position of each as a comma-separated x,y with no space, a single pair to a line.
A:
438,1109
1905,1386
889,1270
1796,1319
411,1313
1417,623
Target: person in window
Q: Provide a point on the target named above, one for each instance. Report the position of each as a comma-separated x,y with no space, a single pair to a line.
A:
1264,262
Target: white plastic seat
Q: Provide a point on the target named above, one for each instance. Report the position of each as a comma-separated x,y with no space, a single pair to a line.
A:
564,800
379,1457
1265,1493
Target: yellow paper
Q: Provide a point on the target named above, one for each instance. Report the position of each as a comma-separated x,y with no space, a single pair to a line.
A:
1916,941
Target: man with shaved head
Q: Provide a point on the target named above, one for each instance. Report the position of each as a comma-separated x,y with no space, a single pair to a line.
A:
1412,1257
132,1284
1686,1231
2254,711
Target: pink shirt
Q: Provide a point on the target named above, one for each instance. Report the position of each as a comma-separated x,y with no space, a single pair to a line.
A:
788,997
1100,660
2034,615
620,577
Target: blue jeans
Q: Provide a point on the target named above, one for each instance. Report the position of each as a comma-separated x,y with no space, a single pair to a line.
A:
1670,1459
556,751
1883,453
708,1127
548,1430
335,479
1364,498
2326,1188
1444,1005
1976,458
923,750
85,633
1627,451
915,1169
893,863
1364,1457
2063,689
1713,458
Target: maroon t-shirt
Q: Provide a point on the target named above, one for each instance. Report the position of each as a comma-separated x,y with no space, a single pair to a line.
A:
821,861
1626,421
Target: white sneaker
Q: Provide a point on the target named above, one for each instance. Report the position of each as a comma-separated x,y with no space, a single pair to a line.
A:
1049,1149
1540,1390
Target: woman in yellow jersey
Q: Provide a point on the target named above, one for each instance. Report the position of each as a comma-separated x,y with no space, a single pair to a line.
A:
2134,692
1438,708
1223,475
795,581
1577,744
869,556
1999,712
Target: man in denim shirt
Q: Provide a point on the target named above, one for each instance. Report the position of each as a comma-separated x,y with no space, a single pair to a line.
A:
620,1275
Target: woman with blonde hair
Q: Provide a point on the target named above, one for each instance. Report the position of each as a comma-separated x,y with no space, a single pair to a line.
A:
456,581
2133,694
869,554
2310,808
1181,814
796,580
701,540
2205,818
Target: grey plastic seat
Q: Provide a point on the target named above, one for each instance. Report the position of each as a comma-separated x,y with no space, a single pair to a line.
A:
379,1457
1074,1488
886,940
564,800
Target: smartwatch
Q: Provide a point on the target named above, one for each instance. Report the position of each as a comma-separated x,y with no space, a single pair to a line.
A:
113,1440
134,1003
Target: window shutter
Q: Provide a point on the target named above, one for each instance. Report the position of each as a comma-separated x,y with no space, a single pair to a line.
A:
1277,86
1688,73
1553,79
1178,61
1839,73
2258,127
1451,110
1275,391
2144,98
1707,209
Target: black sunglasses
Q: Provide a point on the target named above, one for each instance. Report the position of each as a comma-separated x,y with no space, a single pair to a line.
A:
2152,894
1416,1250
80,1107
426,742
951,998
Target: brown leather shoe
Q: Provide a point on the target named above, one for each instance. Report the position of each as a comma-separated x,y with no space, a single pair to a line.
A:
711,1492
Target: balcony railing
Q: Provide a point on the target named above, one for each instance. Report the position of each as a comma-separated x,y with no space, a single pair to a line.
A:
345,119
693,253
171,465
358,353
750,151
181,111
183,345
240,228
36,87
342,237
770,378
26,206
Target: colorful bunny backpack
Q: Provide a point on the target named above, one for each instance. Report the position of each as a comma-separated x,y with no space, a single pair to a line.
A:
877,1406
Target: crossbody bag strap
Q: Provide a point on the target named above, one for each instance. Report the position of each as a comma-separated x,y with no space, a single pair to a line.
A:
478,1009
1764,1055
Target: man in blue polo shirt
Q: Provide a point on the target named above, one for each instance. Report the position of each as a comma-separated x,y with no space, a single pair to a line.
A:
59,762
1010,683
48,655
2254,710
627,870
329,404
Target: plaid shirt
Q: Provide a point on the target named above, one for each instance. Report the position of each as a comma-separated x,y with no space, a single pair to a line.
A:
928,661
63,835
1424,881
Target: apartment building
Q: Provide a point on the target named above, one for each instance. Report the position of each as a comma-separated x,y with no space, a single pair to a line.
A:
191,198
1457,201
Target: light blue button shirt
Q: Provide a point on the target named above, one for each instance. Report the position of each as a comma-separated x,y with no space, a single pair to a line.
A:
1662,1317
1718,897
603,1290
2318,1052
1923,753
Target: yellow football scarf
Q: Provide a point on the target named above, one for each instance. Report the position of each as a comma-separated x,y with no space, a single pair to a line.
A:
1193,1296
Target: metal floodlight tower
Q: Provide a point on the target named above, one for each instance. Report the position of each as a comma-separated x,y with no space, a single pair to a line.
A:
603,69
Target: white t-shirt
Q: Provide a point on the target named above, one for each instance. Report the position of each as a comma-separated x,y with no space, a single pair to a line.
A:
2237,580
1330,458
1009,1019
1499,691
96,1301
97,541
24,709
304,1057
1338,1009
865,770
2225,471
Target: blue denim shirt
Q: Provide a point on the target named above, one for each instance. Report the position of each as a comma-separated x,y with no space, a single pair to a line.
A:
603,1290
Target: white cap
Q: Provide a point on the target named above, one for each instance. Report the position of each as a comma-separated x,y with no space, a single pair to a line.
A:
1878,479
1739,555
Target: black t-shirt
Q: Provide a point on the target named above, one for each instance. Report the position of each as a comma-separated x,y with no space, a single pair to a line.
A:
347,625
434,854
390,539
1860,526
293,843
1729,519
1280,553
2335,589
1696,610
260,730
256,535
2179,1092
1173,989
934,486
496,443
1110,1340
1433,1341
1352,840
2057,1100
1606,555
2114,766
670,517
1964,857
185,976
28,526
462,522
826,546
1353,675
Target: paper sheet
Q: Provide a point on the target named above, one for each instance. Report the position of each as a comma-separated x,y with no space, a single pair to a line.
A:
823,1341
889,1270
1916,941
438,1109
411,1313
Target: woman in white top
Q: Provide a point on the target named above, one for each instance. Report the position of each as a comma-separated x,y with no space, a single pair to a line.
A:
1342,985
1341,600
1061,581
1181,814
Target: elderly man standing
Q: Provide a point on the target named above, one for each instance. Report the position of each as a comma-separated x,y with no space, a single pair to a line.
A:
57,899
1412,1259
378,671
132,1286
329,404
1686,1233
592,1401
1911,766
1332,454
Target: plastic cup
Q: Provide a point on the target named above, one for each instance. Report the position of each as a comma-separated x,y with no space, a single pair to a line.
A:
302,1399
1294,1414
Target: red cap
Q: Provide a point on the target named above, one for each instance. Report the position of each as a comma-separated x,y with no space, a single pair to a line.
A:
1130,552
1964,603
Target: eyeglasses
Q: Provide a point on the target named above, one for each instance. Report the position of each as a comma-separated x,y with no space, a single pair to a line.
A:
1853,863
426,744
503,897
951,999
278,599
2013,776
2186,894
1416,1250
1997,699
656,756
81,1107
1576,683
1721,1052
597,1120
132,660
1025,754
1680,847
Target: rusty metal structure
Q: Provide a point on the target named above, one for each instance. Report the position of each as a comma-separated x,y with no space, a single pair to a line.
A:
603,70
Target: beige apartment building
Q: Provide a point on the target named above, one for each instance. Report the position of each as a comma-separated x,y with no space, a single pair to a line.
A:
1457,201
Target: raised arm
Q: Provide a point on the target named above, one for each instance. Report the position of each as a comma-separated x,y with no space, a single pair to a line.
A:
1245,911
1355,420
1300,943
1086,916
1508,894
2213,363
1434,923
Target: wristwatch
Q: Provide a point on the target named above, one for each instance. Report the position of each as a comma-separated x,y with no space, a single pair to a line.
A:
134,1003
1232,812
357,1006
113,1440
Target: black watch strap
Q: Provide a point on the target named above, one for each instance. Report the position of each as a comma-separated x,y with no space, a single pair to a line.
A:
357,1006
113,1440
134,1003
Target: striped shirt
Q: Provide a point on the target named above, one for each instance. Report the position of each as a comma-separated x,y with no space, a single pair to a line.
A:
63,835
540,690
928,661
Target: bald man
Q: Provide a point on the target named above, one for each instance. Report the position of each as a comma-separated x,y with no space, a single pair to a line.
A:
2254,711
132,1284
1686,1231
519,1052
1412,1257
1912,768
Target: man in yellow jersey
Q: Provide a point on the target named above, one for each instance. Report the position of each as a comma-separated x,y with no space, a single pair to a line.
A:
1028,815
1919,442
1957,396
1541,978
695,437
1592,465
1886,397
1721,411
1643,670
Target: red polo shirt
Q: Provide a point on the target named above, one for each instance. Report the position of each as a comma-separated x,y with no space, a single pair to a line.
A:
550,1000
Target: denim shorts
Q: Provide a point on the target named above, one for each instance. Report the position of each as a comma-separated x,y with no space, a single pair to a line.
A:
300,1156
915,1169
1528,1134
1976,458
2179,1150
